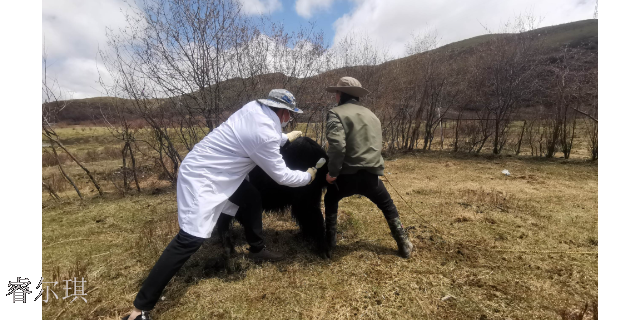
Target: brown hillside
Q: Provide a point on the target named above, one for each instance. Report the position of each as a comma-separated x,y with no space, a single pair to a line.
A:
384,80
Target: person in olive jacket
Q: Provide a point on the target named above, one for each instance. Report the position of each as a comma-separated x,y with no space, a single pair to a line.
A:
354,136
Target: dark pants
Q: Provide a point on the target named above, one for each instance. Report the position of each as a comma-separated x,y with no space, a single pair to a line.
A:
184,245
249,214
363,183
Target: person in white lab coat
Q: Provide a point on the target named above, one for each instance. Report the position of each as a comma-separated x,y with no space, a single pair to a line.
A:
212,180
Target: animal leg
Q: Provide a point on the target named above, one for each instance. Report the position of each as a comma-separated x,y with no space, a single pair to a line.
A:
224,224
311,224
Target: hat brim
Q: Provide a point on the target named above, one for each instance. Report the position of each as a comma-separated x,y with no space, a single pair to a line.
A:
354,91
279,105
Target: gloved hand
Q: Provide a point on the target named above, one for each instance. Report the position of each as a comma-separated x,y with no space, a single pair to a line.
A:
294,135
312,171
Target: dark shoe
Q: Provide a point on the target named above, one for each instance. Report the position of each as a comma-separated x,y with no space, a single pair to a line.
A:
265,255
329,243
402,239
144,316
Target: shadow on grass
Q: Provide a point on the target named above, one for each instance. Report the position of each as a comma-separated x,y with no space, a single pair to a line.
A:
342,251
211,262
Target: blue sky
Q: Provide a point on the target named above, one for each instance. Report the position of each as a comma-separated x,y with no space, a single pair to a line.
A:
323,19
74,30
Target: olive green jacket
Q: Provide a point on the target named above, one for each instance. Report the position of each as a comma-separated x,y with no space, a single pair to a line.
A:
354,135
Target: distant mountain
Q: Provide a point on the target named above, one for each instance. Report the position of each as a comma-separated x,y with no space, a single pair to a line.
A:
553,40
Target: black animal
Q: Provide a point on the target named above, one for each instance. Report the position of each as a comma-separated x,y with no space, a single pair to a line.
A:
304,202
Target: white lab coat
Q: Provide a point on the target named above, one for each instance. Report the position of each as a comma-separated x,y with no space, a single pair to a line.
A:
218,164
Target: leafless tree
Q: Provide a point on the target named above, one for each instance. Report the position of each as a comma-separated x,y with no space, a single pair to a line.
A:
457,132
561,88
359,56
413,94
183,49
187,65
507,64
170,61
435,91
590,105
118,116
422,41
128,83
536,131
520,137
51,106
568,87
52,193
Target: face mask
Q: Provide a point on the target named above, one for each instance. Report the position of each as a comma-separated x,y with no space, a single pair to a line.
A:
284,124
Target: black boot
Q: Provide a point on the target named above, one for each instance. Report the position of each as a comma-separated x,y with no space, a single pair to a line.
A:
331,230
402,239
144,316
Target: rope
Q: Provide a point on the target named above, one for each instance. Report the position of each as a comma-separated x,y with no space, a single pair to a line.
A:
534,251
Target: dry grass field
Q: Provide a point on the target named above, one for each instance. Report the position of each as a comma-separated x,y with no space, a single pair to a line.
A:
466,213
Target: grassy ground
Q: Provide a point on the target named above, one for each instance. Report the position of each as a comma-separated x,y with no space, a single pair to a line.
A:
544,205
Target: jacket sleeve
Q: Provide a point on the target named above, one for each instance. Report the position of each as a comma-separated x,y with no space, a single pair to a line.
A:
337,144
267,156
283,140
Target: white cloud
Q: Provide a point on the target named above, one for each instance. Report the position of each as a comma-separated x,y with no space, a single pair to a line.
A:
306,8
265,54
79,78
257,7
392,22
73,31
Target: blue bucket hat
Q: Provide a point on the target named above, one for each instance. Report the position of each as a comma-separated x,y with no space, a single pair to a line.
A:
281,98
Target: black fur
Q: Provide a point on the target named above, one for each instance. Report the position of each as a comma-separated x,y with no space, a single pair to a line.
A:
305,201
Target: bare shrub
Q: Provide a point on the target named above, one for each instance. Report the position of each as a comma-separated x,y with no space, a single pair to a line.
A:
51,106
57,182
471,135
504,77
49,160
187,65
91,155
111,152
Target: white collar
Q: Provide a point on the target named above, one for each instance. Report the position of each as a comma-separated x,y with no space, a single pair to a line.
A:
269,113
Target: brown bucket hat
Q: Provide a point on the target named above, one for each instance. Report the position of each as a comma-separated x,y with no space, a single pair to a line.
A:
350,86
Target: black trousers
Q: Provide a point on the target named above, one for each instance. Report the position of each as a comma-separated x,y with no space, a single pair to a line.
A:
363,183
249,214
184,245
